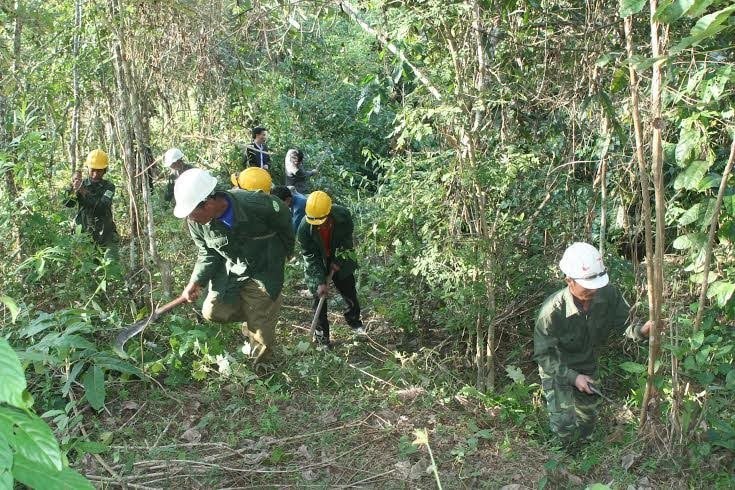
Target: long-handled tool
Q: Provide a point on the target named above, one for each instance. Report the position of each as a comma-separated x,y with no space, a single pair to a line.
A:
322,300
137,327
597,392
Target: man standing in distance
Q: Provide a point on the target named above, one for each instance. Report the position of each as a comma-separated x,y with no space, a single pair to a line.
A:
173,160
571,325
257,153
93,196
243,240
325,236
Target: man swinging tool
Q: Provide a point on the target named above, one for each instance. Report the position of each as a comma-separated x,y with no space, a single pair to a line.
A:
243,240
572,323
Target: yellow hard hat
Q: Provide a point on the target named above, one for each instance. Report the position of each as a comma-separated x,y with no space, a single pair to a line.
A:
97,160
318,206
233,179
255,179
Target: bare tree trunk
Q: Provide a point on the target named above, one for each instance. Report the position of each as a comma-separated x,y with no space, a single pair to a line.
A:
137,148
124,131
11,187
658,186
643,178
711,237
603,185
74,139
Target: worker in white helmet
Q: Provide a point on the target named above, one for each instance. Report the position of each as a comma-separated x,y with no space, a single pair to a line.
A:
572,323
175,162
243,240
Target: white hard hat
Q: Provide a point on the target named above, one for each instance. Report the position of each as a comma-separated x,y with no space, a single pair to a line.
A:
173,155
191,188
583,263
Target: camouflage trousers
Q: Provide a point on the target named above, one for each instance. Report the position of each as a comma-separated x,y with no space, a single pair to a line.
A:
572,414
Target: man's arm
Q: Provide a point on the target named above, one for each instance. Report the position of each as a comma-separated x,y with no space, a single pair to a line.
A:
208,261
620,319
315,272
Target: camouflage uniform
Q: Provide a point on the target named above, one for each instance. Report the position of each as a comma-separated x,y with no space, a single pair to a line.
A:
95,211
565,339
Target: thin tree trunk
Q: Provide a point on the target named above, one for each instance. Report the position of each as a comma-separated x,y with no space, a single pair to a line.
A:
11,187
74,139
711,237
603,185
658,187
643,178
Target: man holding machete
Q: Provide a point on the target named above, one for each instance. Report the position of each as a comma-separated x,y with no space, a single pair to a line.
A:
243,240
572,323
325,236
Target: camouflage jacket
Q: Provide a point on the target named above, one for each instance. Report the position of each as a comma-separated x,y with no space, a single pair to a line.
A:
565,338
94,212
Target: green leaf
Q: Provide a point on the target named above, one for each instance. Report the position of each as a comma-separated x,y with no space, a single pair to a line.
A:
630,7
515,374
91,447
690,178
94,387
699,7
690,240
722,290
730,380
6,455
697,340
11,306
114,364
32,438
6,480
707,23
706,27
31,474
633,367
39,324
728,205
709,181
669,12
73,374
689,138
11,373
597,486
691,215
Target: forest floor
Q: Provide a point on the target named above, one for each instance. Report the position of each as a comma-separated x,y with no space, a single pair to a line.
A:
348,418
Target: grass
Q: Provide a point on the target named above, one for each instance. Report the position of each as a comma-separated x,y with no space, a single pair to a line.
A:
348,418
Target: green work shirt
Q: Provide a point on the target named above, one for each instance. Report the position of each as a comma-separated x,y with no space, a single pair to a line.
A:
256,247
342,247
565,338
95,210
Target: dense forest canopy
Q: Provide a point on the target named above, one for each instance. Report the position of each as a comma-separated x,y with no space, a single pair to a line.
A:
471,141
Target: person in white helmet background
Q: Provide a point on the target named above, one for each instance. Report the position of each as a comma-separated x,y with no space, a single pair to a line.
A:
175,162
243,240
571,325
